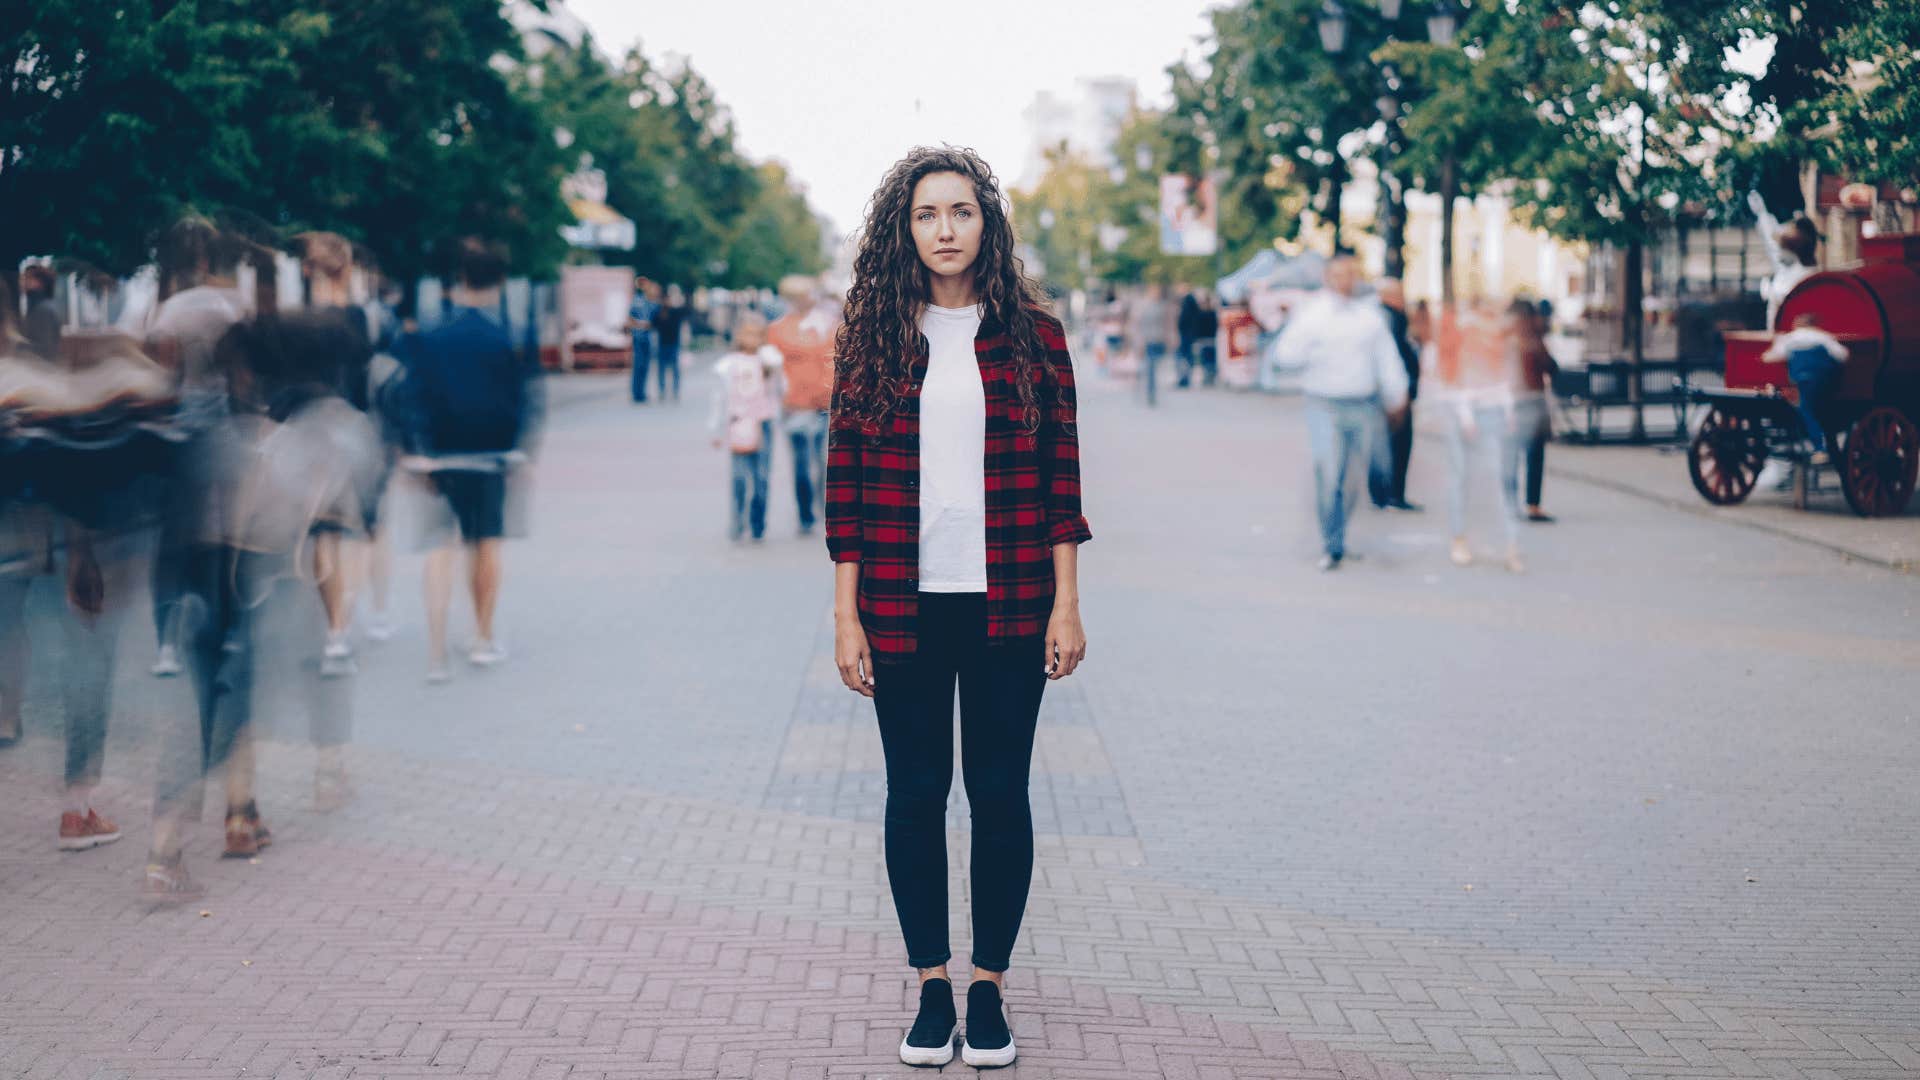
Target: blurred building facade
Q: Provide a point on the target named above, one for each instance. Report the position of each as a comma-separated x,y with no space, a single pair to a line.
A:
1085,122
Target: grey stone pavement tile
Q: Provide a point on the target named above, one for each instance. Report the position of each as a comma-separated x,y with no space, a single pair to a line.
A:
1647,811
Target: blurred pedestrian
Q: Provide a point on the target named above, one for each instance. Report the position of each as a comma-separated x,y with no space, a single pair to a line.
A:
746,398
200,300
1152,332
670,329
1533,423
471,404
68,509
804,336
1206,345
1792,251
43,323
1353,379
955,566
1113,327
287,457
1390,490
1191,333
1477,352
640,319
340,557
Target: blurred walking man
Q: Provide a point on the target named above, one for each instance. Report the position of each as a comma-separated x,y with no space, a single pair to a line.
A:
804,336
470,405
1353,379
1388,480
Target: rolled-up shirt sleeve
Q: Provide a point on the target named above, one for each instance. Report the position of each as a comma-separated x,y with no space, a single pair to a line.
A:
843,495
1065,522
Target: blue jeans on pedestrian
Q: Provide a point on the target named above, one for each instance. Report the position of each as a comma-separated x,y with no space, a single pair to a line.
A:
1813,372
670,366
1155,352
1342,433
750,487
808,432
642,360
1491,439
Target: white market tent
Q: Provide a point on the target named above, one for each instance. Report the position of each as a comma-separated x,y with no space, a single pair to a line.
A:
1272,270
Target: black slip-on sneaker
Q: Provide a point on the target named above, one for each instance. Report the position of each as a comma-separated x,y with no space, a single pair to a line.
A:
930,1040
989,1042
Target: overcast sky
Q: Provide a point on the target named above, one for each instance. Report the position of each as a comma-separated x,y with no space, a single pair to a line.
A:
838,89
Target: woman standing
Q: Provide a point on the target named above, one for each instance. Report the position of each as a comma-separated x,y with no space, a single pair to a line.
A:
953,515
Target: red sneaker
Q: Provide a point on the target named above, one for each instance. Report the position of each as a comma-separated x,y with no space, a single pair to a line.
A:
78,832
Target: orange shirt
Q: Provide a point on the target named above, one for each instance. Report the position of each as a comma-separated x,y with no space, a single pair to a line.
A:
1476,347
806,352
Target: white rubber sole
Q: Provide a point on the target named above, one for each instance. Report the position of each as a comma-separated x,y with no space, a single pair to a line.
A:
928,1055
988,1059
87,843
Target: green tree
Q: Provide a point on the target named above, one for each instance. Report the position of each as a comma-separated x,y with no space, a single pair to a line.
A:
1841,91
1462,124
1279,115
383,119
1059,217
1629,100
779,234
114,118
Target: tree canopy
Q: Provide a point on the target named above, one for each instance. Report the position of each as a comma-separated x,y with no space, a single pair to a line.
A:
399,124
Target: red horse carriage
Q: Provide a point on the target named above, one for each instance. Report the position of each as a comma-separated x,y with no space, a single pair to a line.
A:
1873,411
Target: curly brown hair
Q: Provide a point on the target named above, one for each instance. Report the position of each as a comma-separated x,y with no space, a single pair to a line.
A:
880,340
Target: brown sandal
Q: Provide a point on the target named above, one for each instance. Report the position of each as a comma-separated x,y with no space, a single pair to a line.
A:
167,883
246,833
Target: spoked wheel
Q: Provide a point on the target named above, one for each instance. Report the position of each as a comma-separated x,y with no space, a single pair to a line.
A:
1726,457
1878,467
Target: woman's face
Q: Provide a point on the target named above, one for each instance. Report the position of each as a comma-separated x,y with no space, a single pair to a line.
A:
946,223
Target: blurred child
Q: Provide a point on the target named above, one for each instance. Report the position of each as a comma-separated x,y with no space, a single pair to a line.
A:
1813,358
746,398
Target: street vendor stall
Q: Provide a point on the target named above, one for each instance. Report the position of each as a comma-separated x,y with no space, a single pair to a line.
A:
1255,303
594,306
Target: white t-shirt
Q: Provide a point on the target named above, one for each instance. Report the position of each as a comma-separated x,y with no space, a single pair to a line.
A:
953,456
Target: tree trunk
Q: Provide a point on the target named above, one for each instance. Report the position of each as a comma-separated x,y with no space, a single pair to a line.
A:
1336,190
1449,191
1633,329
1394,235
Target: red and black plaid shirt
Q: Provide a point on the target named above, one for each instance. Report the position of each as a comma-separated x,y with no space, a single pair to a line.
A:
1033,498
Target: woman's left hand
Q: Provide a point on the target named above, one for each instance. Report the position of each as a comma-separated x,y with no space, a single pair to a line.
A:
1066,641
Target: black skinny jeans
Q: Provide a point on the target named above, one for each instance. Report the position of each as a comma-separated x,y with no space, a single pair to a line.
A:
1000,688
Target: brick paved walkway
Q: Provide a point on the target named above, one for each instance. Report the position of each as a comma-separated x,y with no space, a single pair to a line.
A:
1648,811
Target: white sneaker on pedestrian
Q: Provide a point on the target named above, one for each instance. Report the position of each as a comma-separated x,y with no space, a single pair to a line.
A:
1329,562
167,664
439,674
336,660
380,627
487,654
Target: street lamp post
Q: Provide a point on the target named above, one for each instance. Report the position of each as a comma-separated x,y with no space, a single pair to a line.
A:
1443,22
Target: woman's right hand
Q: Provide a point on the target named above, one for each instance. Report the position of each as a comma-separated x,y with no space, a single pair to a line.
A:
852,656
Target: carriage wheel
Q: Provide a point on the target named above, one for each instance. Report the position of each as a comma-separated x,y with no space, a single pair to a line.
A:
1877,469
1726,457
